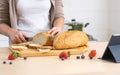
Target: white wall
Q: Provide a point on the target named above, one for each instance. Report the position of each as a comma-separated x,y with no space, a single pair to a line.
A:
93,11
3,41
114,16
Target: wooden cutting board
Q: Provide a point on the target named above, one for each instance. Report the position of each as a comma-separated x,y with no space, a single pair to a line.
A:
34,53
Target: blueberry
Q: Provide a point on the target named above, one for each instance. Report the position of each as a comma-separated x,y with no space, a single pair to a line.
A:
78,57
10,62
90,57
62,58
25,58
4,62
82,57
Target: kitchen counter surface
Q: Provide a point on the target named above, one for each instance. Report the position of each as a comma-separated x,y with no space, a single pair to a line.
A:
52,65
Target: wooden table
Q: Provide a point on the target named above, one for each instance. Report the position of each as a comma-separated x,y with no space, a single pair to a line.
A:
52,65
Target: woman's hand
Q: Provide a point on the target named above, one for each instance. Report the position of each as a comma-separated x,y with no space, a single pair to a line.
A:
57,26
55,31
16,36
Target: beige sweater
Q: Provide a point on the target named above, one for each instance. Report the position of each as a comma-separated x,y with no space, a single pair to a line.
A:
8,12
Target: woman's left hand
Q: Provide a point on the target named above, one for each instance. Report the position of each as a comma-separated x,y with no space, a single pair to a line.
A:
55,31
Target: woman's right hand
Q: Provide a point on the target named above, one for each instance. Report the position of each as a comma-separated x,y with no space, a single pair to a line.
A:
16,36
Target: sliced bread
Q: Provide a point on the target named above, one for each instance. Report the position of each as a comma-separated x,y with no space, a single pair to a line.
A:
43,39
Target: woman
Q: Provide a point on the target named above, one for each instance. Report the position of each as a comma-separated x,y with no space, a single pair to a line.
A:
25,18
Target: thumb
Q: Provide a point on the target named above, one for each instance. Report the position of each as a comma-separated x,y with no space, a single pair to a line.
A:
24,35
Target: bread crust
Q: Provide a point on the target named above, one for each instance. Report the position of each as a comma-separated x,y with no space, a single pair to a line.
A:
19,48
70,39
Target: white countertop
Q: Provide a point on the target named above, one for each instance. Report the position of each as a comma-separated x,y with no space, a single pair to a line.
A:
52,65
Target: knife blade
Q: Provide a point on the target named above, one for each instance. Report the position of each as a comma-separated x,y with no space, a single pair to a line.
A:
29,38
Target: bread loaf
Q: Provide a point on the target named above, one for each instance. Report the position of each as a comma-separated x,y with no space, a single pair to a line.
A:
43,38
70,39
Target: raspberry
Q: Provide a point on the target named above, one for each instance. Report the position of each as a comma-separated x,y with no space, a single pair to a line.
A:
11,57
92,53
63,54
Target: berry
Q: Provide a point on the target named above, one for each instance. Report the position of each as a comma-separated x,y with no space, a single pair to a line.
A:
90,57
10,62
92,53
82,57
62,58
11,57
63,54
4,62
78,57
25,58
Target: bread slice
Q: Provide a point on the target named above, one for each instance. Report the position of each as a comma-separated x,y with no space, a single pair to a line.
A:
34,46
22,44
43,38
19,48
46,47
70,39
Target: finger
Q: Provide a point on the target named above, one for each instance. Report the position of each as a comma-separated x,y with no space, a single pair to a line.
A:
13,40
22,37
50,31
54,32
24,34
57,33
18,39
54,28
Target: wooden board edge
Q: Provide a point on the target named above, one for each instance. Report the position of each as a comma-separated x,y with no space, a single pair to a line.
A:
74,51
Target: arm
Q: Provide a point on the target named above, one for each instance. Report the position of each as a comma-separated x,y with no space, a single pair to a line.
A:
13,34
4,17
58,23
5,27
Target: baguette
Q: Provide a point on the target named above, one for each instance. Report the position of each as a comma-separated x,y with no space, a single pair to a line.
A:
70,39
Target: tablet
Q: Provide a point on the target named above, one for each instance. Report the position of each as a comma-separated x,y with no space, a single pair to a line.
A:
112,52
115,40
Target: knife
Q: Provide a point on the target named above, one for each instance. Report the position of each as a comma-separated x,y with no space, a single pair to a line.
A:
29,38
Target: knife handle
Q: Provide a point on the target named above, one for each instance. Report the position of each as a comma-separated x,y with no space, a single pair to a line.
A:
28,38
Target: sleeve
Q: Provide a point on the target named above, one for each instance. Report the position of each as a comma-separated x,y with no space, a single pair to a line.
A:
59,9
4,12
